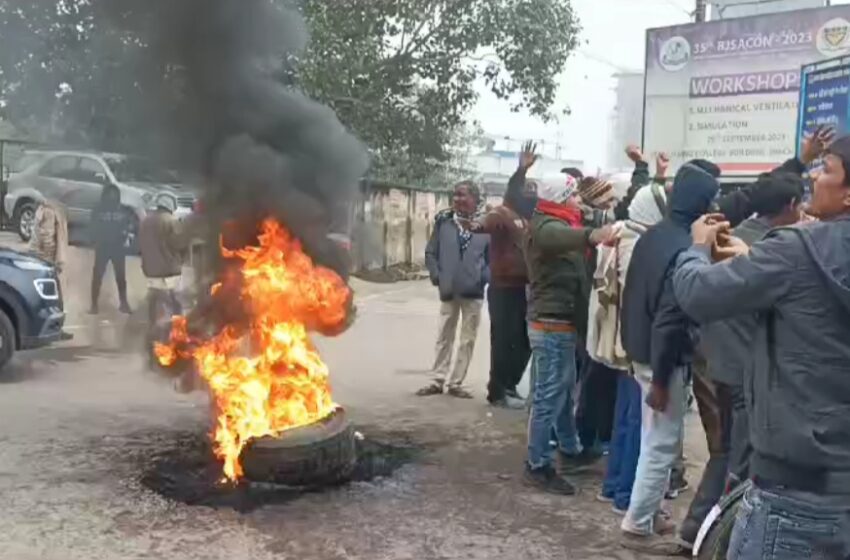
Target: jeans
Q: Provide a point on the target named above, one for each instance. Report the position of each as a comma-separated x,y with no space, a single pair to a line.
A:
554,385
509,346
468,313
717,427
625,445
661,438
101,259
781,525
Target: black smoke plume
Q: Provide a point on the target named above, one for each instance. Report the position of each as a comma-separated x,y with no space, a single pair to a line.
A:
220,88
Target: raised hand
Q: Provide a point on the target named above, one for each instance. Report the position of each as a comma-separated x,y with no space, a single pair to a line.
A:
634,153
662,164
815,143
528,156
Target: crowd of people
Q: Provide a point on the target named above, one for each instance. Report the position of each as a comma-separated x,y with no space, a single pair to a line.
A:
162,241
627,307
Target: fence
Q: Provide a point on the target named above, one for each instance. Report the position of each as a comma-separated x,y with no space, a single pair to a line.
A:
392,225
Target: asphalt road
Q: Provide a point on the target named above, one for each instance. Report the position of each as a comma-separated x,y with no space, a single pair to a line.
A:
83,425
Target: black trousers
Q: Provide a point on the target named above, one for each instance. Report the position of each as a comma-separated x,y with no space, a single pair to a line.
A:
597,400
101,259
733,406
509,346
717,423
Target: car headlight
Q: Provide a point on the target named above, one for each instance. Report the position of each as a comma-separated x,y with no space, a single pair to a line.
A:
32,265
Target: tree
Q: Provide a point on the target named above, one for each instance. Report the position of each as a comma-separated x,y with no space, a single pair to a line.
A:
401,75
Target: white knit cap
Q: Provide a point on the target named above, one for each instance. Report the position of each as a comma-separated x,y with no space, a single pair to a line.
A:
644,208
557,188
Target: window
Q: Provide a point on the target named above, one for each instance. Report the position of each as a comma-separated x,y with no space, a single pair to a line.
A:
90,171
61,167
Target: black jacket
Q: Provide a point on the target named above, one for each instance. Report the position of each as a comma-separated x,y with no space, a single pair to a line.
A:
655,331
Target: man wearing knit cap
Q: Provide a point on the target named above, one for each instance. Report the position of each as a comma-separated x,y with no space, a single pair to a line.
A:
657,337
555,251
797,282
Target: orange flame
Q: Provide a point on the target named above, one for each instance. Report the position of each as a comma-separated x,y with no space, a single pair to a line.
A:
284,383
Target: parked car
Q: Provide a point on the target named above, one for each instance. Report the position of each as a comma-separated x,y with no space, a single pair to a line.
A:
31,310
76,179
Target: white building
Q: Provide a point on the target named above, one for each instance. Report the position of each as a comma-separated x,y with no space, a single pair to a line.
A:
626,120
727,9
498,160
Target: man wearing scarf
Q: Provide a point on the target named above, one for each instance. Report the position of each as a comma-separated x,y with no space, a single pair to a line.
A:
555,250
457,261
657,337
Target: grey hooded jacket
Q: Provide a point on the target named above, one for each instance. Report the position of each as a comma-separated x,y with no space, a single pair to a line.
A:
798,386
457,274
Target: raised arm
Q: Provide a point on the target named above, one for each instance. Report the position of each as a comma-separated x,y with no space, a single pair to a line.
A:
755,282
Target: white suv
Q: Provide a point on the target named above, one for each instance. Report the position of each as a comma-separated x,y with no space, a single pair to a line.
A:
76,179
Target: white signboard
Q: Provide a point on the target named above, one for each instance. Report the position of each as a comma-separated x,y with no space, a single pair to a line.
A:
727,91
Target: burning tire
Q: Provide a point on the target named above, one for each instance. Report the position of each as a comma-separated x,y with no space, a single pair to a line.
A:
320,454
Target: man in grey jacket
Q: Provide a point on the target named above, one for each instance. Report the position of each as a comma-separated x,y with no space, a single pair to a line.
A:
457,261
798,282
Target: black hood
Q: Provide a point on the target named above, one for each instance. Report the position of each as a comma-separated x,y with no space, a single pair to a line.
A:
694,189
828,243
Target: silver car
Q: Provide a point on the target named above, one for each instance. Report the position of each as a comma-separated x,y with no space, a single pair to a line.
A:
76,179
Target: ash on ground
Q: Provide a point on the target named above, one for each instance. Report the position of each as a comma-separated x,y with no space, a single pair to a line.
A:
188,472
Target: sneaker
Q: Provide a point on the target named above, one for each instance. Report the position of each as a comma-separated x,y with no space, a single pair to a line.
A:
653,545
432,389
574,464
676,489
600,497
547,480
509,403
459,393
618,510
514,394
125,309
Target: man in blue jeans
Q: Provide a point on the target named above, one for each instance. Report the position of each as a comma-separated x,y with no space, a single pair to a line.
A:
797,282
557,313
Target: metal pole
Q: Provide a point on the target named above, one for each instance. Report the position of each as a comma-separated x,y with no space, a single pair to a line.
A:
699,12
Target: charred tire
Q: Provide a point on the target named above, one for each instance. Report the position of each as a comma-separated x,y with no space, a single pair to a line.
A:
320,454
24,219
8,340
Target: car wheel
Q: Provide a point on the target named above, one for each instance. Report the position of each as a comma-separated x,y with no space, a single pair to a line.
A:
8,340
24,219
319,454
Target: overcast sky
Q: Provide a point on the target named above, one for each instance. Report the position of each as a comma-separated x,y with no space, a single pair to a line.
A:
616,31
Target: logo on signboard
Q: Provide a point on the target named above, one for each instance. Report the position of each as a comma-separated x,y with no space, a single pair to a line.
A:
834,37
675,54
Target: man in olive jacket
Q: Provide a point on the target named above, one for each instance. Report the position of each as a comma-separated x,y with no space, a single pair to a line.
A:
556,249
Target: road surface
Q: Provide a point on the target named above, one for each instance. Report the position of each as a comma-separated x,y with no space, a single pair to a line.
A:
83,423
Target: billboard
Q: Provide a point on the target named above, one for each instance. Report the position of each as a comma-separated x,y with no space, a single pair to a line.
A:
824,97
728,90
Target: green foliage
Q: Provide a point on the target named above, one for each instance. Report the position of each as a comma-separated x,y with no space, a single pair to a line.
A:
400,74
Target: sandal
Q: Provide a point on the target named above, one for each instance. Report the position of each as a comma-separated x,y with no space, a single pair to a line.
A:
430,390
460,393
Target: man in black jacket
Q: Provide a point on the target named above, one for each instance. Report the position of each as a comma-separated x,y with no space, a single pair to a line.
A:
656,335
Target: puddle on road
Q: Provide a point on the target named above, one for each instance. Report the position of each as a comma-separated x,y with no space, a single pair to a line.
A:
189,473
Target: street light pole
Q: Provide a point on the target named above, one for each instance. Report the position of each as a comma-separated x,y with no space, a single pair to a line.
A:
699,12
